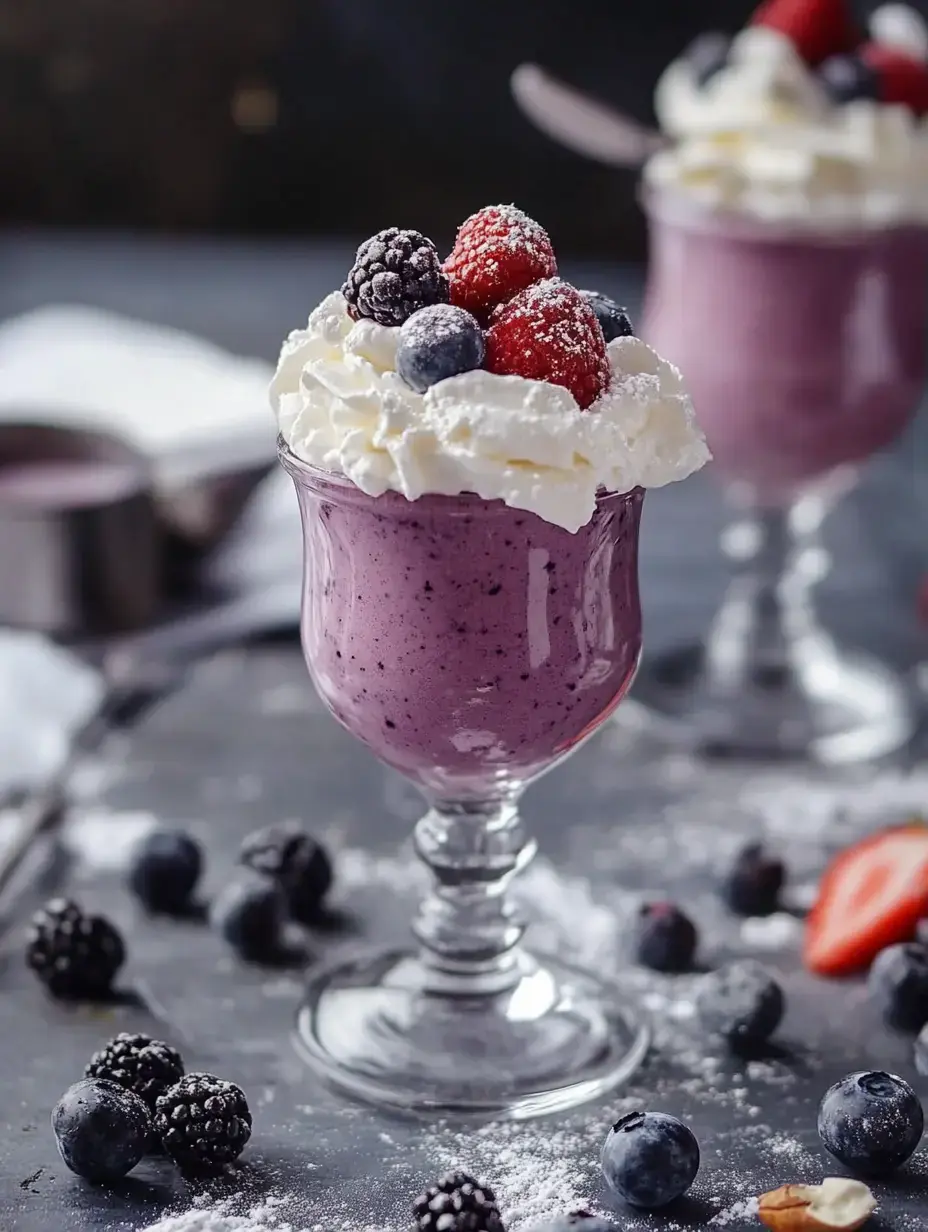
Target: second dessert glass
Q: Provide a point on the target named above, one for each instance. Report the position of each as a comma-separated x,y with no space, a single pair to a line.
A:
805,353
472,646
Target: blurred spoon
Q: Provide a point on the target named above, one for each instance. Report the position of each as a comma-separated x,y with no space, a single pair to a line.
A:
581,123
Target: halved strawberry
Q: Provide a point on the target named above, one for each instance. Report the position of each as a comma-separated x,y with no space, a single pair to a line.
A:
900,78
872,895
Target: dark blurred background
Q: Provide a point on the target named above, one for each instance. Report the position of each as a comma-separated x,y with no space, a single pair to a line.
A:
332,117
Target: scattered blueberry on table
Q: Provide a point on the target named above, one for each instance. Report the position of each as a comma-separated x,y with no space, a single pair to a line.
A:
649,1159
164,871
753,884
898,985
871,1121
101,1129
250,913
742,1003
665,938
298,862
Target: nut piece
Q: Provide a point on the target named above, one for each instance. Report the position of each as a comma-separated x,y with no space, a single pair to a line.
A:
838,1203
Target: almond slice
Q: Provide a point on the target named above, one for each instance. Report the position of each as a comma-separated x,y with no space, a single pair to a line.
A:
838,1204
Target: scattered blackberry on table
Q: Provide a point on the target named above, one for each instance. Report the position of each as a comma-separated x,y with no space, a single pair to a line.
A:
742,1003
650,1158
871,1122
250,913
898,986
289,854
76,956
102,1129
708,54
437,343
615,321
846,78
457,1203
395,273
165,869
203,1123
139,1064
665,938
753,884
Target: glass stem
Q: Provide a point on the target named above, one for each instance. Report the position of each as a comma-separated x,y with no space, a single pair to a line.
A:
767,614
467,926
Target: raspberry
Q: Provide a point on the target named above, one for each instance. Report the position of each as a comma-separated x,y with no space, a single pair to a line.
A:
549,332
498,252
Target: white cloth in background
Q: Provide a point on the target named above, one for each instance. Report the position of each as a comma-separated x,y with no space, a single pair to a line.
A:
191,407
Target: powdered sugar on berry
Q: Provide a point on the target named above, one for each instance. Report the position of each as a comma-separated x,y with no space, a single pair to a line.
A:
342,407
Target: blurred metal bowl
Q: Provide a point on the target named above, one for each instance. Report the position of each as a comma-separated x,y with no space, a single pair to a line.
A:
81,547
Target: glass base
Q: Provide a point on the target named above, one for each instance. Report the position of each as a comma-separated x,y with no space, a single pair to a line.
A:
557,1037
828,706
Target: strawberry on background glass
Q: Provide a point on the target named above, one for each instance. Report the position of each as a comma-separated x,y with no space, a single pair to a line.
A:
470,442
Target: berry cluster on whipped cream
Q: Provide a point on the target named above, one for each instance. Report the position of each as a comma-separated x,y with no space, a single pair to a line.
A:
485,373
802,117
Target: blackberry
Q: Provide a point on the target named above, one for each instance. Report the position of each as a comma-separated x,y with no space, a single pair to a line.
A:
203,1123
138,1063
76,956
457,1203
296,861
166,866
395,273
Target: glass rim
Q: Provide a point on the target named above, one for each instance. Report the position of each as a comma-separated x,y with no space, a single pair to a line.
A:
664,204
316,476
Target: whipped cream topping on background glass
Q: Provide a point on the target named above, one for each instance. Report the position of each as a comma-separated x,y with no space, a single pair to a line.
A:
762,137
341,406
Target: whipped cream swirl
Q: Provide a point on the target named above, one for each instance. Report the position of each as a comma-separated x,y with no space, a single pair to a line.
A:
341,406
761,137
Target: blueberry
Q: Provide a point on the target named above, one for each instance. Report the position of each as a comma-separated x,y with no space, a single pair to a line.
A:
165,868
577,1221
291,856
753,884
708,55
615,321
921,1051
898,984
650,1158
847,78
250,914
438,342
102,1129
666,938
921,932
871,1122
742,1003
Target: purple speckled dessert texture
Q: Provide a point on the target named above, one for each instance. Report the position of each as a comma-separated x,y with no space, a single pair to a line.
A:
462,640
803,352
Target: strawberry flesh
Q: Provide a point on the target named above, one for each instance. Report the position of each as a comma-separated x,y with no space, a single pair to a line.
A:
872,895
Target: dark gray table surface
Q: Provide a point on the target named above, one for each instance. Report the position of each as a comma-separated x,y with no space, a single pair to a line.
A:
246,743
